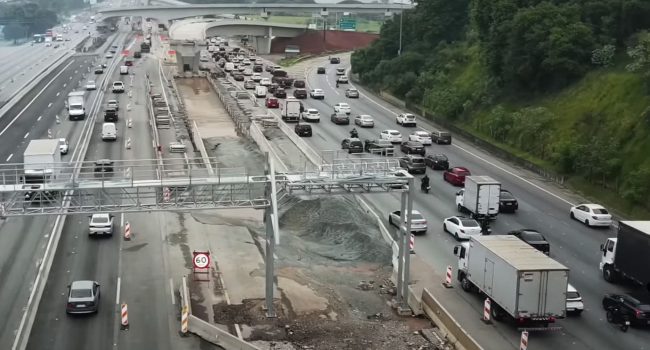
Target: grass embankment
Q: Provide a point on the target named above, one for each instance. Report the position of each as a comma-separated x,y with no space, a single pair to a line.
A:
606,103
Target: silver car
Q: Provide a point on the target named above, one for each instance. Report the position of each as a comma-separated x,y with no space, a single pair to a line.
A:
83,297
101,224
364,121
418,225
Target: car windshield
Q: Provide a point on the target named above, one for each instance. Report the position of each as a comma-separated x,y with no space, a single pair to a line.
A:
395,133
100,219
417,216
572,295
62,142
417,160
462,172
343,105
312,111
532,236
469,223
409,116
81,293
440,157
506,195
600,211
384,143
422,134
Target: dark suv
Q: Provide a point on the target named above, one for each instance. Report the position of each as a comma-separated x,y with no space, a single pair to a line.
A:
437,161
303,130
300,93
383,147
412,147
414,164
320,70
441,137
636,307
110,115
280,93
103,166
299,84
353,145
507,202
335,60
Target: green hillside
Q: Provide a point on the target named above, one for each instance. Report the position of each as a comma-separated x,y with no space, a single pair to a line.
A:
563,84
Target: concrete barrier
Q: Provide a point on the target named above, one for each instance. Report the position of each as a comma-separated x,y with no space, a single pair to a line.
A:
265,146
198,141
309,152
443,319
217,336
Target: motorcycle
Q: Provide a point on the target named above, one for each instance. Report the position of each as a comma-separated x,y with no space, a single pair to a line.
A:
614,315
425,188
354,134
485,227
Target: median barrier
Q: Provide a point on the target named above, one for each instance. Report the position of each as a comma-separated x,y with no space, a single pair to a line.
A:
198,141
309,152
265,146
443,319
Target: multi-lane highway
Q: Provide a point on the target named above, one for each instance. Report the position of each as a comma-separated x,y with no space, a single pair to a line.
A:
542,206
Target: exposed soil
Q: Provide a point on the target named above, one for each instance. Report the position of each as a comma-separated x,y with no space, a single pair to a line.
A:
333,271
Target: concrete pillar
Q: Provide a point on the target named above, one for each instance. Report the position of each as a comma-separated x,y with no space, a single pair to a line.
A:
262,44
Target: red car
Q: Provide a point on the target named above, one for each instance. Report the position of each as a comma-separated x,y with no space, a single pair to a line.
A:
128,63
456,175
272,102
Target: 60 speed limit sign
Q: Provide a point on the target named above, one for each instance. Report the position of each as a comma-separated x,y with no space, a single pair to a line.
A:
201,260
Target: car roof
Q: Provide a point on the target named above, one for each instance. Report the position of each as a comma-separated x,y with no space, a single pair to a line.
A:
570,288
390,130
364,116
100,215
421,132
83,284
593,206
460,168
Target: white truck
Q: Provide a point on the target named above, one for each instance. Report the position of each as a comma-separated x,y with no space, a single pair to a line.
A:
480,197
522,283
627,256
75,103
290,110
42,160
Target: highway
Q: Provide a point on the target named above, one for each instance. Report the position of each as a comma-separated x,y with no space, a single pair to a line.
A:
542,206
131,272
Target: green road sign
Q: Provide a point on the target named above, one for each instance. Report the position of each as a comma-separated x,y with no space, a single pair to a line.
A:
347,23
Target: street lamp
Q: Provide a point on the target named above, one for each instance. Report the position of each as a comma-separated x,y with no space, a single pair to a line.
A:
401,16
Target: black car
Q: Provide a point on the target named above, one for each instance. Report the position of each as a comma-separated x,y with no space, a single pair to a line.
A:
300,93
273,87
303,130
110,115
258,68
335,60
441,137
437,161
99,70
137,54
280,93
412,147
507,202
533,238
299,84
382,147
238,77
353,145
340,118
320,70
636,307
413,164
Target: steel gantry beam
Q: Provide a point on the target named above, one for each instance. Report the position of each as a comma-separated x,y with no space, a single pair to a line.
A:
164,185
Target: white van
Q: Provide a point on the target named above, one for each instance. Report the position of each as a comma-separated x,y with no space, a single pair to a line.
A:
109,132
229,66
124,70
260,91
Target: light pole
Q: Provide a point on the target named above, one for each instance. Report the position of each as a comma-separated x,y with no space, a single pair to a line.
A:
401,16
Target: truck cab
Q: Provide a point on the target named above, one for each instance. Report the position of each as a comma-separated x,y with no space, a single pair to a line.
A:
608,250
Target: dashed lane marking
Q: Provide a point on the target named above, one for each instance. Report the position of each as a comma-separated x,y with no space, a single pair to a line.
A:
9,158
27,134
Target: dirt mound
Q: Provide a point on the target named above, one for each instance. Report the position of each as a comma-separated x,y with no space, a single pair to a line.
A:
335,40
334,228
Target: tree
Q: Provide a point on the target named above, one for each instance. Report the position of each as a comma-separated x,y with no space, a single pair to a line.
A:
14,31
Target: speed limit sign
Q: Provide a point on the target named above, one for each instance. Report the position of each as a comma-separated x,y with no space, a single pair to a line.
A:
201,260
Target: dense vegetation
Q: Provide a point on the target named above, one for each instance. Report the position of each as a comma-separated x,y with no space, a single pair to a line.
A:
250,1
563,83
22,19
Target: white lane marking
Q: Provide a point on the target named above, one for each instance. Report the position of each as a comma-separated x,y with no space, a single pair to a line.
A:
9,158
58,93
479,157
117,293
65,84
27,134
33,99
39,118
49,105
70,78
171,289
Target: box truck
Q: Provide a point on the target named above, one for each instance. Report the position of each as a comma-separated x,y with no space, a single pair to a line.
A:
42,160
480,197
290,110
627,256
75,103
523,284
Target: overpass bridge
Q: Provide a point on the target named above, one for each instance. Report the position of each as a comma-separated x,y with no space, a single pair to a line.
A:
262,32
169,12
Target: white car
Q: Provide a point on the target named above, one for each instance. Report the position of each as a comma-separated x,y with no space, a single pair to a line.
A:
364,121
265,82
118,86
90,85
591,214
574,304
393,136
461,227
257,77
246,61
109,55
248,72
63,146
311,115
317,94
101,224
418,224
406,119
343,107
422,137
